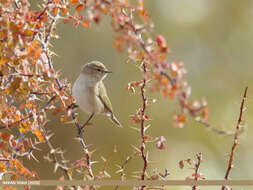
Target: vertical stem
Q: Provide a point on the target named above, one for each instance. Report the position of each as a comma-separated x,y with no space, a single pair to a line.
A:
143,110
237,132
197,165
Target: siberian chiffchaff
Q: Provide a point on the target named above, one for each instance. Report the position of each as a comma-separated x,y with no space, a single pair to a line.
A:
90,93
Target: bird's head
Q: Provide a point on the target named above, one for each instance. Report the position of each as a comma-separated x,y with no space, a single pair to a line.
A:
95,70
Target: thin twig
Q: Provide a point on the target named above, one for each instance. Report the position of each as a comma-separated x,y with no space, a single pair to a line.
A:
106,163
197,165
123,166
219,131
44,10
235,143
45,46
53,152
173,81
30,114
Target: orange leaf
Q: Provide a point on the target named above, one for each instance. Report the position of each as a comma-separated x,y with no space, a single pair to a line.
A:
39,135
11,162
105,10
74,2
164,81
86,23
204,114
64,118
80,7
182,118
5,136
164,92
172,92
3,167
54,10
3,60
29,49
35,44
19,167
24,127
37,53
64,11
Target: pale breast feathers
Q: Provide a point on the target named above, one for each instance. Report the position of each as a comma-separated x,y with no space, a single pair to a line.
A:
86,97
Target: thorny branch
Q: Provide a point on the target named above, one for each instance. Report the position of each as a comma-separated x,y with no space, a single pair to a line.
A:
45,43
30,115
144,101
53,153
237,130
173,82
197,165
79,127
47,40
52,12
123,166
59,163
84,146
53,158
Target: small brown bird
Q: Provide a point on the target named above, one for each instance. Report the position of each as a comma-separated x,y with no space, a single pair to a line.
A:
90,93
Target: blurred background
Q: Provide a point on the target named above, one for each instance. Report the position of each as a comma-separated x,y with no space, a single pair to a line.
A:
214,39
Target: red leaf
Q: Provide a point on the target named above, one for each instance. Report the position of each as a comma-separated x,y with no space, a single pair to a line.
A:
160,40
195,175
161,43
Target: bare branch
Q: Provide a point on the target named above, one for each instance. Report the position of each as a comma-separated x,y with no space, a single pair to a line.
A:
83,144
235,143
197,165
144,102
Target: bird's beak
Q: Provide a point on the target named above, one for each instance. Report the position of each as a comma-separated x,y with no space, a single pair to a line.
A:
107,71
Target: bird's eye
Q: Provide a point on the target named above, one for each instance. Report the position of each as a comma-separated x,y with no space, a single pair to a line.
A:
99,70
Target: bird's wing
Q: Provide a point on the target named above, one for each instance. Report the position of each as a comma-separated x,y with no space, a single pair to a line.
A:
106,101
104,98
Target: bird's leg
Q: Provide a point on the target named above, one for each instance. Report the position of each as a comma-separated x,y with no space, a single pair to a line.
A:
74,118
79,127
91,116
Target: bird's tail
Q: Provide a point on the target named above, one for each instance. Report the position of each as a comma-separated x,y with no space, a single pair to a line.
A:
115,120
